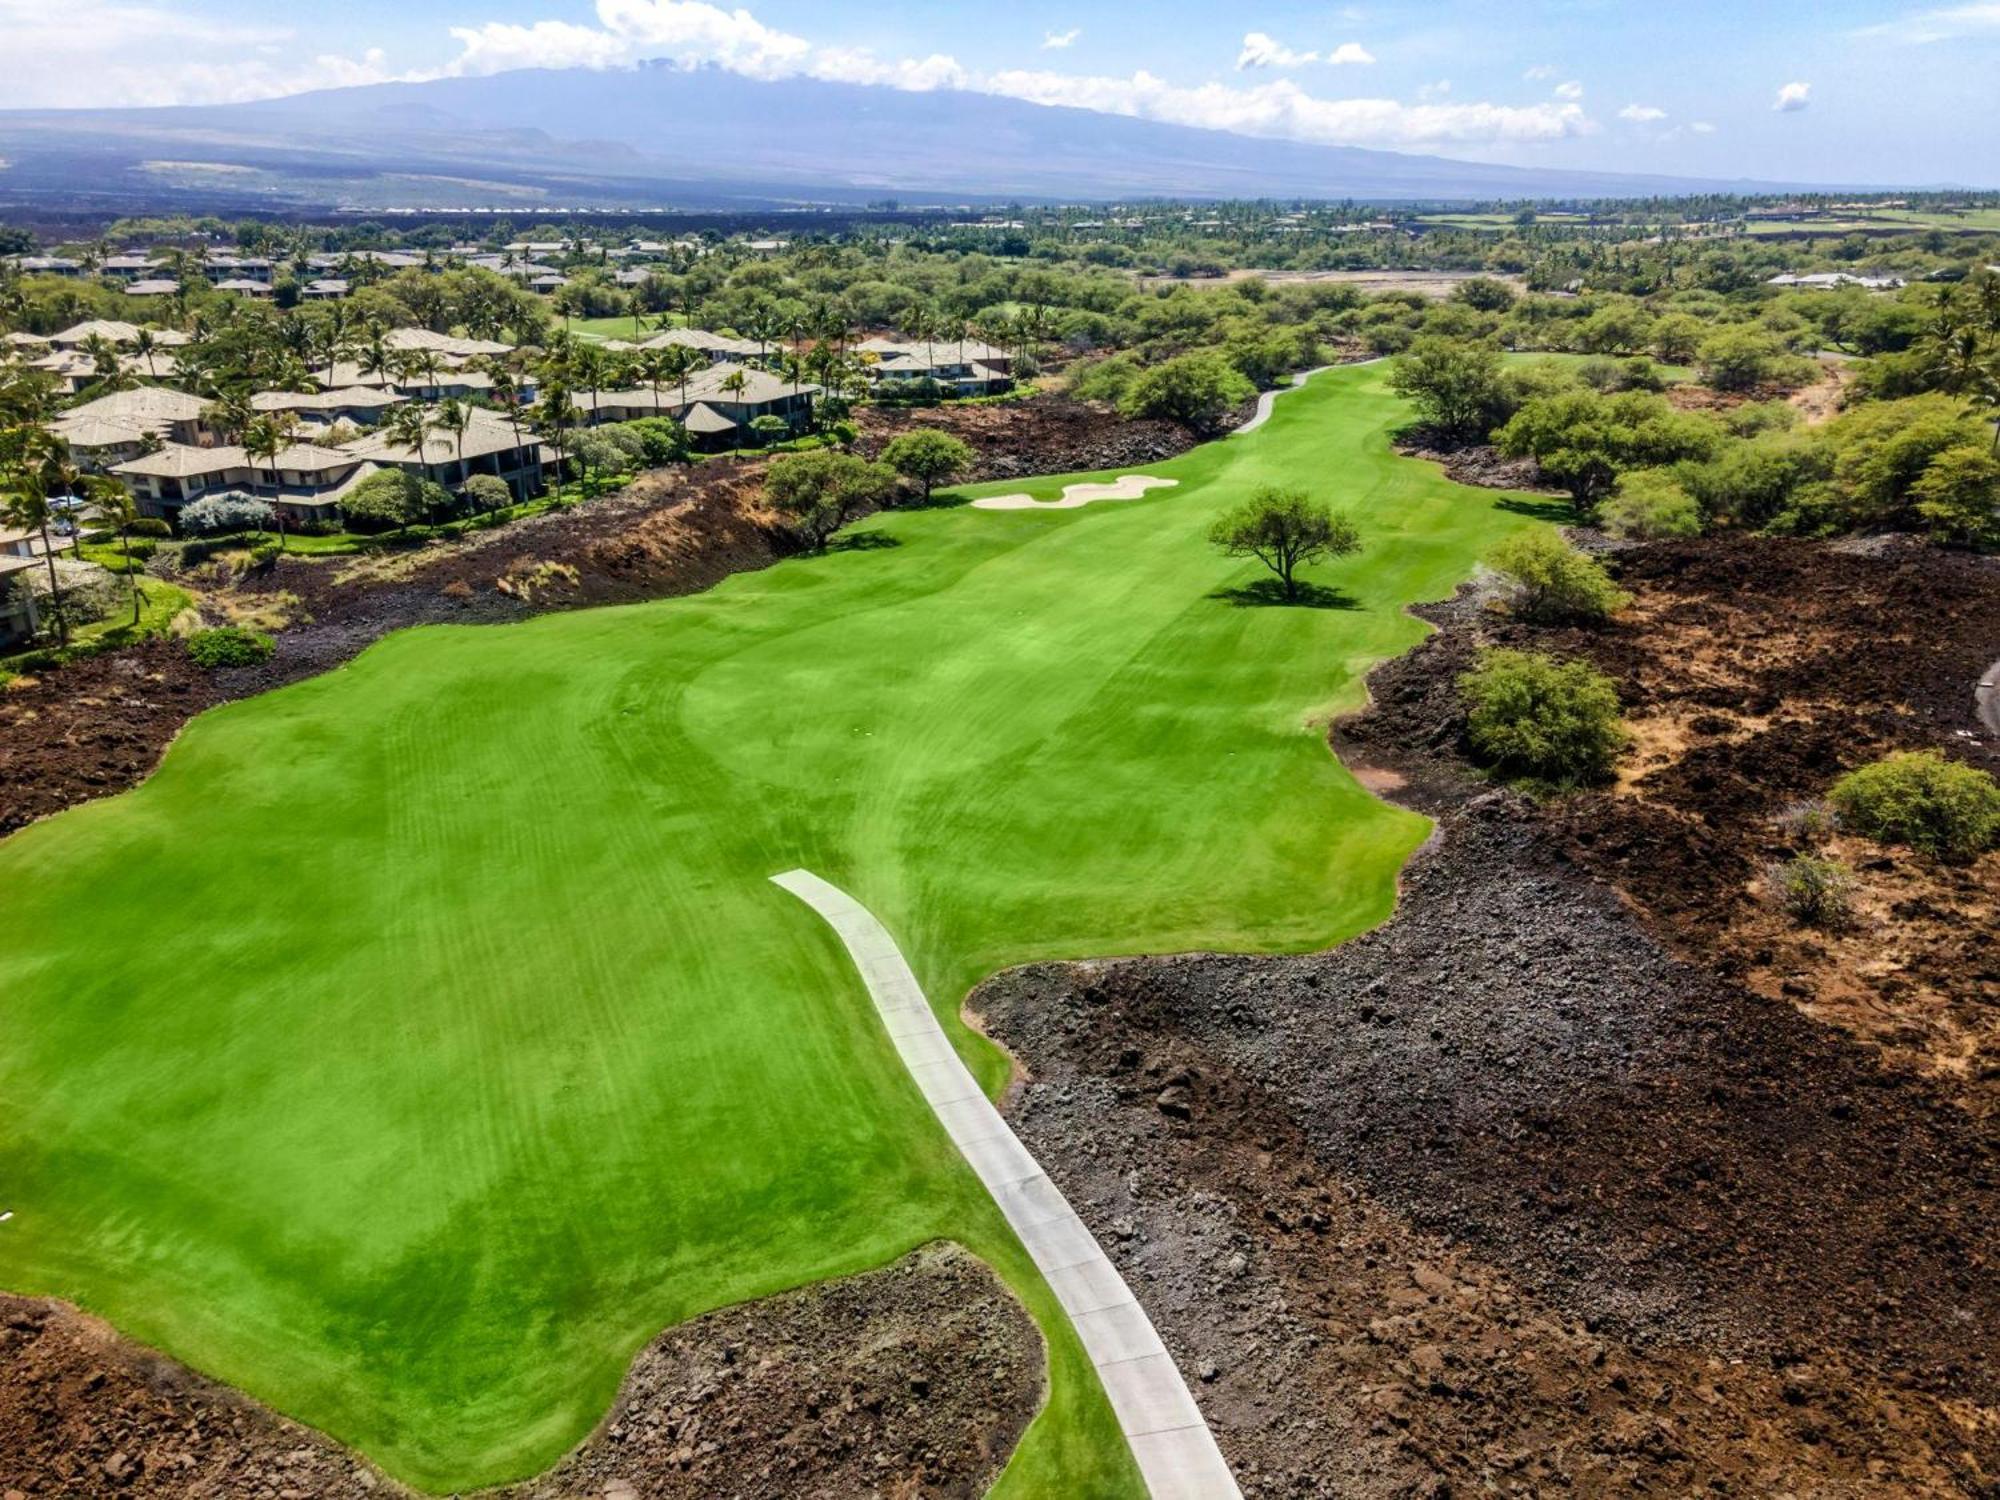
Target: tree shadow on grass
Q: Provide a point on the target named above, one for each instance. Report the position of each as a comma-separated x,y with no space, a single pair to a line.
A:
939,500
864,541
1558,512
1268,593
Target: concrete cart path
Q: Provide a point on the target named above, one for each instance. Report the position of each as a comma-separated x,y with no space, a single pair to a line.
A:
1176,1452
1270,398
1987,697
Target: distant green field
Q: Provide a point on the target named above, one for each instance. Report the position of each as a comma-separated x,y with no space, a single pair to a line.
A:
424,1037
1896,221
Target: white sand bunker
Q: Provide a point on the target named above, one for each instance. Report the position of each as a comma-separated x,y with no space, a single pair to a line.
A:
1074,496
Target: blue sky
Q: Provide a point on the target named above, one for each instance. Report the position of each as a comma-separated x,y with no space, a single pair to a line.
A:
1835,91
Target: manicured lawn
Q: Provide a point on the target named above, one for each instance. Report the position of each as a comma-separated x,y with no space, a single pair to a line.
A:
422,1038
598,329
159,603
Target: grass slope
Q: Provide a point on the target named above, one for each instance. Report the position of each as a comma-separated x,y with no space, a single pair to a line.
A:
422,1038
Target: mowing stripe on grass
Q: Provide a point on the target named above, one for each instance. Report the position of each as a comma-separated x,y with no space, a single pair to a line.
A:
1172,1444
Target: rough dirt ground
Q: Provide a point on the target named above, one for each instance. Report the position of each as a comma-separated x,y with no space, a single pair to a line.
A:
917,1379
1046,434
1510,1195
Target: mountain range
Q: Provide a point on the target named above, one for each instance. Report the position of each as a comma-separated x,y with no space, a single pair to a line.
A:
656,136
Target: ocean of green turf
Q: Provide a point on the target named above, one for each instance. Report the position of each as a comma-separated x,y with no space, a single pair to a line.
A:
424,1037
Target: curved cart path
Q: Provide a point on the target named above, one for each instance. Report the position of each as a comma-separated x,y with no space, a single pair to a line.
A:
1987,696
1175,1451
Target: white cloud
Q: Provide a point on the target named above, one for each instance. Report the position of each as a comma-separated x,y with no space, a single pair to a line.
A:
1281,108
1438,90
499,46
111,52
1939,25
1793,97
1702,127
1056,40
1540,72
1641,114
126,51
1570,90
1261,51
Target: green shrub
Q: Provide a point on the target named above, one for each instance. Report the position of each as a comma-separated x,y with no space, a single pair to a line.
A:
1551,722
1919,798
1552,583
228,646
1815,891
391,499
483,492
1196,390
150,526
1650,504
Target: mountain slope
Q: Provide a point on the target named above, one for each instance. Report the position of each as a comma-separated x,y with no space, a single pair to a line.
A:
657,134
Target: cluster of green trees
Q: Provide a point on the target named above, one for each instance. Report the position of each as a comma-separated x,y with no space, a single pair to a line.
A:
1926,461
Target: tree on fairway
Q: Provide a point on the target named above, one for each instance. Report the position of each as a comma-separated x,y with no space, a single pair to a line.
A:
820,492
1284,531
929,457
1453,383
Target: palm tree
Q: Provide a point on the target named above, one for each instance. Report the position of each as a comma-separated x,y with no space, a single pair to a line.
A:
114,504
411,427
453,416
145,344
656,369
554,414
735,383
264,438
30,455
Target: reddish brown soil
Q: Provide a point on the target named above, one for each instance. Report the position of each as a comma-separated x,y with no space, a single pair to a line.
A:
1045,434
917,1379
1512,1196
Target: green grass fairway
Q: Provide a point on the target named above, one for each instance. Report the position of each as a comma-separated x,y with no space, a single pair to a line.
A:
424,1037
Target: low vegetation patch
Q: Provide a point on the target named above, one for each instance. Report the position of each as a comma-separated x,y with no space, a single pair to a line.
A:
1549,582
1813,890
229,646
1551,723
1921,799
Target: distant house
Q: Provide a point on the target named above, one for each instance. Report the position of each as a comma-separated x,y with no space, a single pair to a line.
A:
490,446
173,416
709,410
306,482
76,370
243,287
19,618
356,403
158,286
965,367
713,346
116,332
1829,280
49,265
445,344
325,289
126,267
